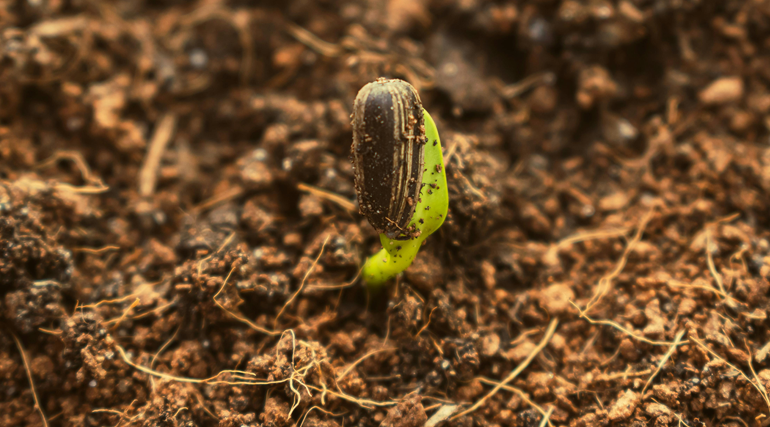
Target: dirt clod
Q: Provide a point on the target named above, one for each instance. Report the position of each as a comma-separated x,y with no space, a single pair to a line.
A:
722,91
409,413
624,407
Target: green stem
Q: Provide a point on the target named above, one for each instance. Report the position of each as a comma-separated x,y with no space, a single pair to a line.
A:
396,255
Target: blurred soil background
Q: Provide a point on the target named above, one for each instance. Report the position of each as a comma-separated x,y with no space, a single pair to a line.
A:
179,243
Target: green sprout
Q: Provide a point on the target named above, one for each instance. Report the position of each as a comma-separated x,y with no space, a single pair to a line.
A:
400,177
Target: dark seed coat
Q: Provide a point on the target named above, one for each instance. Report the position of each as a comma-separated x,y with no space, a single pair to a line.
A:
388,154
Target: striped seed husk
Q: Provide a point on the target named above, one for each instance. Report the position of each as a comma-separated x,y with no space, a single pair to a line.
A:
388,154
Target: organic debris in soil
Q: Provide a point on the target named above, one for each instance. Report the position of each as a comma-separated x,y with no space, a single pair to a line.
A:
179,244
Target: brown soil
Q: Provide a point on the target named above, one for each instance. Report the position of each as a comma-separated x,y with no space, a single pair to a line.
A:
179,245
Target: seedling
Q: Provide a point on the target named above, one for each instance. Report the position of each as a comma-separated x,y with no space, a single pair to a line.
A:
399,174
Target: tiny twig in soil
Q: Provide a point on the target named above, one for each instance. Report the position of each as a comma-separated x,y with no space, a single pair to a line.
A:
328,195
425,326
364,403
230,194
361,359
582,236
96,251
738,256
712,267
523,365
239,316
523,336
301,285
160,350
428,397
677,284
445,411
205,409
156,310
313,41
77,158
761,387
243,377
148,174
334,287
547,417
110,301
620,328
42,283
708,232
107,411
123,316
450,152
605,283
524,396
29,376
470,185
515,89
86,189
677,341
183,408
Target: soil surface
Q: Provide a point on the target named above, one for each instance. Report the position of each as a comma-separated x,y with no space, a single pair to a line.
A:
179,240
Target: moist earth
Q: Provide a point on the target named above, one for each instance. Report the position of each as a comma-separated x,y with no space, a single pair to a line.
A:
180,243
